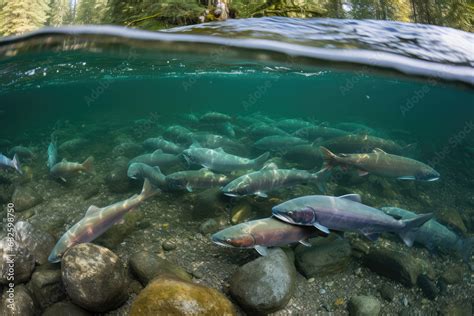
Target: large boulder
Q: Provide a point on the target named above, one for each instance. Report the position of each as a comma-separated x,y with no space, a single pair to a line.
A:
38,242
47,287
452,219
172,296
16,262
94,277
394,264
266,284
325,256
146,266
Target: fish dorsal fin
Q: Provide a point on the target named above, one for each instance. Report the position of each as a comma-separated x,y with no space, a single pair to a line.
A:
64,160
270,166
219,149
158,151
378,150
352,197
92,209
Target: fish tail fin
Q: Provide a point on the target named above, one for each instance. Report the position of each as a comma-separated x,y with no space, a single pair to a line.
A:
260,160
148,190
158,170
411,226
466,249
88,165
16,164
330,159
321,178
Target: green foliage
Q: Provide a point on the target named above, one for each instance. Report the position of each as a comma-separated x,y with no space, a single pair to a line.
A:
90,11
154,14
21,16
61,13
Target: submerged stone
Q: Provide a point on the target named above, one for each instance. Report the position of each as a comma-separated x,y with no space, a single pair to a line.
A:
171,296
25,198
18,304
147,266
65,308
16,262
38,242
325,256
94,277
394,264
266,284
363,305
47,287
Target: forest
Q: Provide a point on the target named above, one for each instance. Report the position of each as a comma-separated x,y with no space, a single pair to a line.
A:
21,16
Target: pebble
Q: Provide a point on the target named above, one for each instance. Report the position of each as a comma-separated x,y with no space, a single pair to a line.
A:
364,305
146,266
169,245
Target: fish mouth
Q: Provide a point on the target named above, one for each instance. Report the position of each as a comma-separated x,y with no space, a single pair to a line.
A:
54,259
231,194
282,217
220,243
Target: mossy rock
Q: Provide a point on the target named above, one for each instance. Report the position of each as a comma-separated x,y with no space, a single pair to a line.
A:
171,296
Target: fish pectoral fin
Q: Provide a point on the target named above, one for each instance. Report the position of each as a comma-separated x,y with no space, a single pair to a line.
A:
270,166
378,150
372,236
362,173
261,194
189,188
322,228
352,197
305,243
263,251
406,178
120,222
92,209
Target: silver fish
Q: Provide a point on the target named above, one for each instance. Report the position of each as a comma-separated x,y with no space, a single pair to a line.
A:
347,213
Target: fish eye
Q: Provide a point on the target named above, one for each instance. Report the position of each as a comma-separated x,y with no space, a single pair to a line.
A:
290,213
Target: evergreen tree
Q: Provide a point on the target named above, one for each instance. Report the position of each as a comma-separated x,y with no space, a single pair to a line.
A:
21,16
60,12
91,11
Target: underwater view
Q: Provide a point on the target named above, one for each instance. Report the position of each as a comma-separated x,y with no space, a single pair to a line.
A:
257,166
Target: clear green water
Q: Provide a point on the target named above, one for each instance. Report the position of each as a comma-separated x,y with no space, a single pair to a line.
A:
115,90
